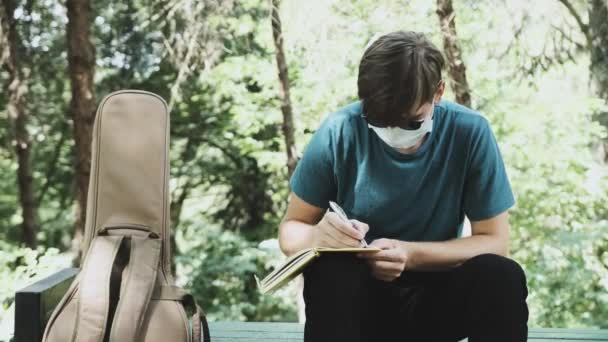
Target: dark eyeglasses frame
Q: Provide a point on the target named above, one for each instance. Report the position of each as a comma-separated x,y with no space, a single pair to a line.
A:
409,125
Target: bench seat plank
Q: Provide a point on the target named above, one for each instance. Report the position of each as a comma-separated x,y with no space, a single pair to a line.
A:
293,332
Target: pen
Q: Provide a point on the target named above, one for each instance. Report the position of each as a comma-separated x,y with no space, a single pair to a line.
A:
336,208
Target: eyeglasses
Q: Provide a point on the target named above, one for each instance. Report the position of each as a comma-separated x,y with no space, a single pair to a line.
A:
408,124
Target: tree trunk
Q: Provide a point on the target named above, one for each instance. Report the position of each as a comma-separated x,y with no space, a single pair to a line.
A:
288,123
456,67
81,68
598,28
17,91
596,38
598,34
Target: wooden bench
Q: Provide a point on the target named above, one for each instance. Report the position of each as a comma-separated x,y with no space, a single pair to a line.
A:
34,304
293,332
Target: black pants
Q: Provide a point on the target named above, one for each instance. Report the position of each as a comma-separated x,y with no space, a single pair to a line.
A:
483,299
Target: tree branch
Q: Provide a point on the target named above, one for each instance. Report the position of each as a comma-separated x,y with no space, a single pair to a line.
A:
518,30
288,126
584,27
579,46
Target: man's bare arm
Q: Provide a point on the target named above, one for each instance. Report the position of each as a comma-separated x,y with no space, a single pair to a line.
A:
296,227
488,236
305,225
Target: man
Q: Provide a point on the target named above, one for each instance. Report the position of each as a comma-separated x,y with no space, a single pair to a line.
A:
407,167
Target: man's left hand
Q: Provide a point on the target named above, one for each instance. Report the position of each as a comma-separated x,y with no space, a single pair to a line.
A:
390,262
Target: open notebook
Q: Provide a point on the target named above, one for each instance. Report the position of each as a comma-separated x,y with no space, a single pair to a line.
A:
295,264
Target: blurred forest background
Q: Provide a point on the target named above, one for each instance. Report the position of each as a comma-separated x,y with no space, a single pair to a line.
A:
538,70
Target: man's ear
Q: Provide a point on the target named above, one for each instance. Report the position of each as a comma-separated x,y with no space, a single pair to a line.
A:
439,92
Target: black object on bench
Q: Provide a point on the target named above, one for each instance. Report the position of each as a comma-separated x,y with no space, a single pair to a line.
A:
35,303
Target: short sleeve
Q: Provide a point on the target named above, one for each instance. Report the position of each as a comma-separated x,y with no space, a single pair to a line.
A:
313,179
487,190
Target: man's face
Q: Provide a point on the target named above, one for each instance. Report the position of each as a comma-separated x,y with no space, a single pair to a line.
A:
425,111
422,113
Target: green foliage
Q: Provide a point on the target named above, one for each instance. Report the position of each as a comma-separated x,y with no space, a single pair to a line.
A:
20,267
238,158
560,219
218,267
228,172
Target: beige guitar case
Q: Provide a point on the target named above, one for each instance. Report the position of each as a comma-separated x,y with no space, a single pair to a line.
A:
125,289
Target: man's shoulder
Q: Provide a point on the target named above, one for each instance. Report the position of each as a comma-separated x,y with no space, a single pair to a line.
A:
345,113
343,120
462,117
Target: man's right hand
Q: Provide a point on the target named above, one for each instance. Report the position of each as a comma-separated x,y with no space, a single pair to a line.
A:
333,232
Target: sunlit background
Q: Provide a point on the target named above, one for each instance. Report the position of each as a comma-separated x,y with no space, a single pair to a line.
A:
531,69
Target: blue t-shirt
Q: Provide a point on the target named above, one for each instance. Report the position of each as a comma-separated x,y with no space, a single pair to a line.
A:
422,196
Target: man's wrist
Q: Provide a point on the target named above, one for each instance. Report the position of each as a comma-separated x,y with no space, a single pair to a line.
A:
411,251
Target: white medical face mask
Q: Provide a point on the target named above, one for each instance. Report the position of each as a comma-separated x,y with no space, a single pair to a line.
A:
397,137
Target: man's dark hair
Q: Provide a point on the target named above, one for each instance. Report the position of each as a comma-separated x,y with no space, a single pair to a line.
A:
398,73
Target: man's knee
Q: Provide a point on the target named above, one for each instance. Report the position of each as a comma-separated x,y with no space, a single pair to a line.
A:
336,293
496,300
336,274
498,271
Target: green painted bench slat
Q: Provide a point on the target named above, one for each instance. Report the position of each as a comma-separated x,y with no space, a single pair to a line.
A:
293,332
